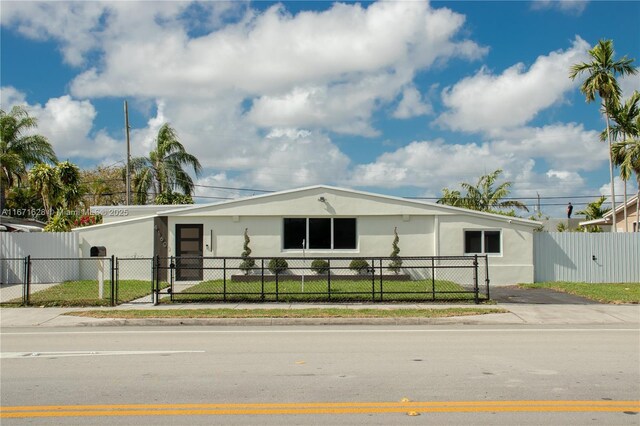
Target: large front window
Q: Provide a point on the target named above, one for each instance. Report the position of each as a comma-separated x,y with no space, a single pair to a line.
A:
482,242
319,233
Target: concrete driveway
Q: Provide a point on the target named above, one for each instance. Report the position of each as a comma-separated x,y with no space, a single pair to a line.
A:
536,296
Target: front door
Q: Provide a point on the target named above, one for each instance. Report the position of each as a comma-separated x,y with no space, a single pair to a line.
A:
188,252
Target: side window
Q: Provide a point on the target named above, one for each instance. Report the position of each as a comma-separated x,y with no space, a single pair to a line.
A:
472,242
482,242
295,230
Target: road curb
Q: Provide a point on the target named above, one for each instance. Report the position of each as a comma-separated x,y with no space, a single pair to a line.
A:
475,319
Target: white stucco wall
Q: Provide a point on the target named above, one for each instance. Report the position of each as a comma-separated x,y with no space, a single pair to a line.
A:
131,238
515,263
374,236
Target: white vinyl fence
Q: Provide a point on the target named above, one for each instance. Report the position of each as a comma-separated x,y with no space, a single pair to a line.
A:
587,257
18,245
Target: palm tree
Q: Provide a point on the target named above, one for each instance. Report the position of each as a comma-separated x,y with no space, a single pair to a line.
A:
19,148
601,80
624,117
44,180
627,153
594,211
72,190
162,171
482,196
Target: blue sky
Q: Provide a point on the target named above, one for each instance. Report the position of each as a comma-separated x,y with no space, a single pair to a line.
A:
401,98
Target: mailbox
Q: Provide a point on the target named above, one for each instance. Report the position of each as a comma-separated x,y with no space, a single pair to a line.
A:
98,251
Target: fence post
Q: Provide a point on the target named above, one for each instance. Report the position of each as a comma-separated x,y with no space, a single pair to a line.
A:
156,281
224,279
117,280
381,289
112,278
475,279
277,271
28,280
372,271
329,279
262,279
433,278
172,276
486,275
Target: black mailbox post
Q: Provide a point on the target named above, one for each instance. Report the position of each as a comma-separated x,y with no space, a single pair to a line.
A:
98,251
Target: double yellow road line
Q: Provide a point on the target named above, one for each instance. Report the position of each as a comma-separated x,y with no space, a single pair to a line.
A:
316,408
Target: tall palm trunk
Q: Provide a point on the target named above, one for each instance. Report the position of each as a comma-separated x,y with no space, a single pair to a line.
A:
624,181
638,205
613,191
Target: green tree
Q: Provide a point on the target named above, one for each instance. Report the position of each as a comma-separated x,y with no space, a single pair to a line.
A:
163,170
60,222
105,186
43,178
625,130
247,261
601,80
71,190
594,211
171,197
482,196
628,153
396,262
20,148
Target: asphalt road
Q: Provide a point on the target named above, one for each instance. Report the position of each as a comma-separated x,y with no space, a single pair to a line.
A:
321,375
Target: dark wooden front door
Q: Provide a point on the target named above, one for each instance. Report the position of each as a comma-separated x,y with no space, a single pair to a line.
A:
188,252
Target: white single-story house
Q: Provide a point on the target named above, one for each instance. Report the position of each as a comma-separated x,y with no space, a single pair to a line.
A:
331,221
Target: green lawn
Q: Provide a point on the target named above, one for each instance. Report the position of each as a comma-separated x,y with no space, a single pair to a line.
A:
85,293
341,290
287,313
605,293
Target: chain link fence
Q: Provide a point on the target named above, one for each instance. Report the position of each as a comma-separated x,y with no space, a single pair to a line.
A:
111,281
12,279
201,279
62,282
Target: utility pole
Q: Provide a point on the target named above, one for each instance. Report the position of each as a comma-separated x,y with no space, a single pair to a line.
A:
126,130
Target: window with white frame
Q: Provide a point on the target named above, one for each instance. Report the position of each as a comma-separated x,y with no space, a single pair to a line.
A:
319,233
482,242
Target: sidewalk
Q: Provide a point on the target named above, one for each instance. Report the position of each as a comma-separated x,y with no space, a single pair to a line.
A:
519,313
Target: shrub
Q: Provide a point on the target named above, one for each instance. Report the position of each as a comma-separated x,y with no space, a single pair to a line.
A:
278,265
359,265
247,262
320,266
396,262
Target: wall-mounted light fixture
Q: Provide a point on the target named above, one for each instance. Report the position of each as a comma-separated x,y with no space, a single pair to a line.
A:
322,199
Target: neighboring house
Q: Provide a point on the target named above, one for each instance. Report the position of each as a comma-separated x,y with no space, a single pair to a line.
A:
332,222
14,224
605,221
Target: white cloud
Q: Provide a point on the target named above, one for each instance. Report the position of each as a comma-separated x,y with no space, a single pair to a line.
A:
301,159
67,124
571,7
10,96
628,84
550,160
75,24
412,104
562,146
488,103
271,57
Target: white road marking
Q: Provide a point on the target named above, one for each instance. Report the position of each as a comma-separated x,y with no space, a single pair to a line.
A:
64,354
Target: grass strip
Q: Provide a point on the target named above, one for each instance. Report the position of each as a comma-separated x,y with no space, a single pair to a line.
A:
286,313
84,293
615,293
